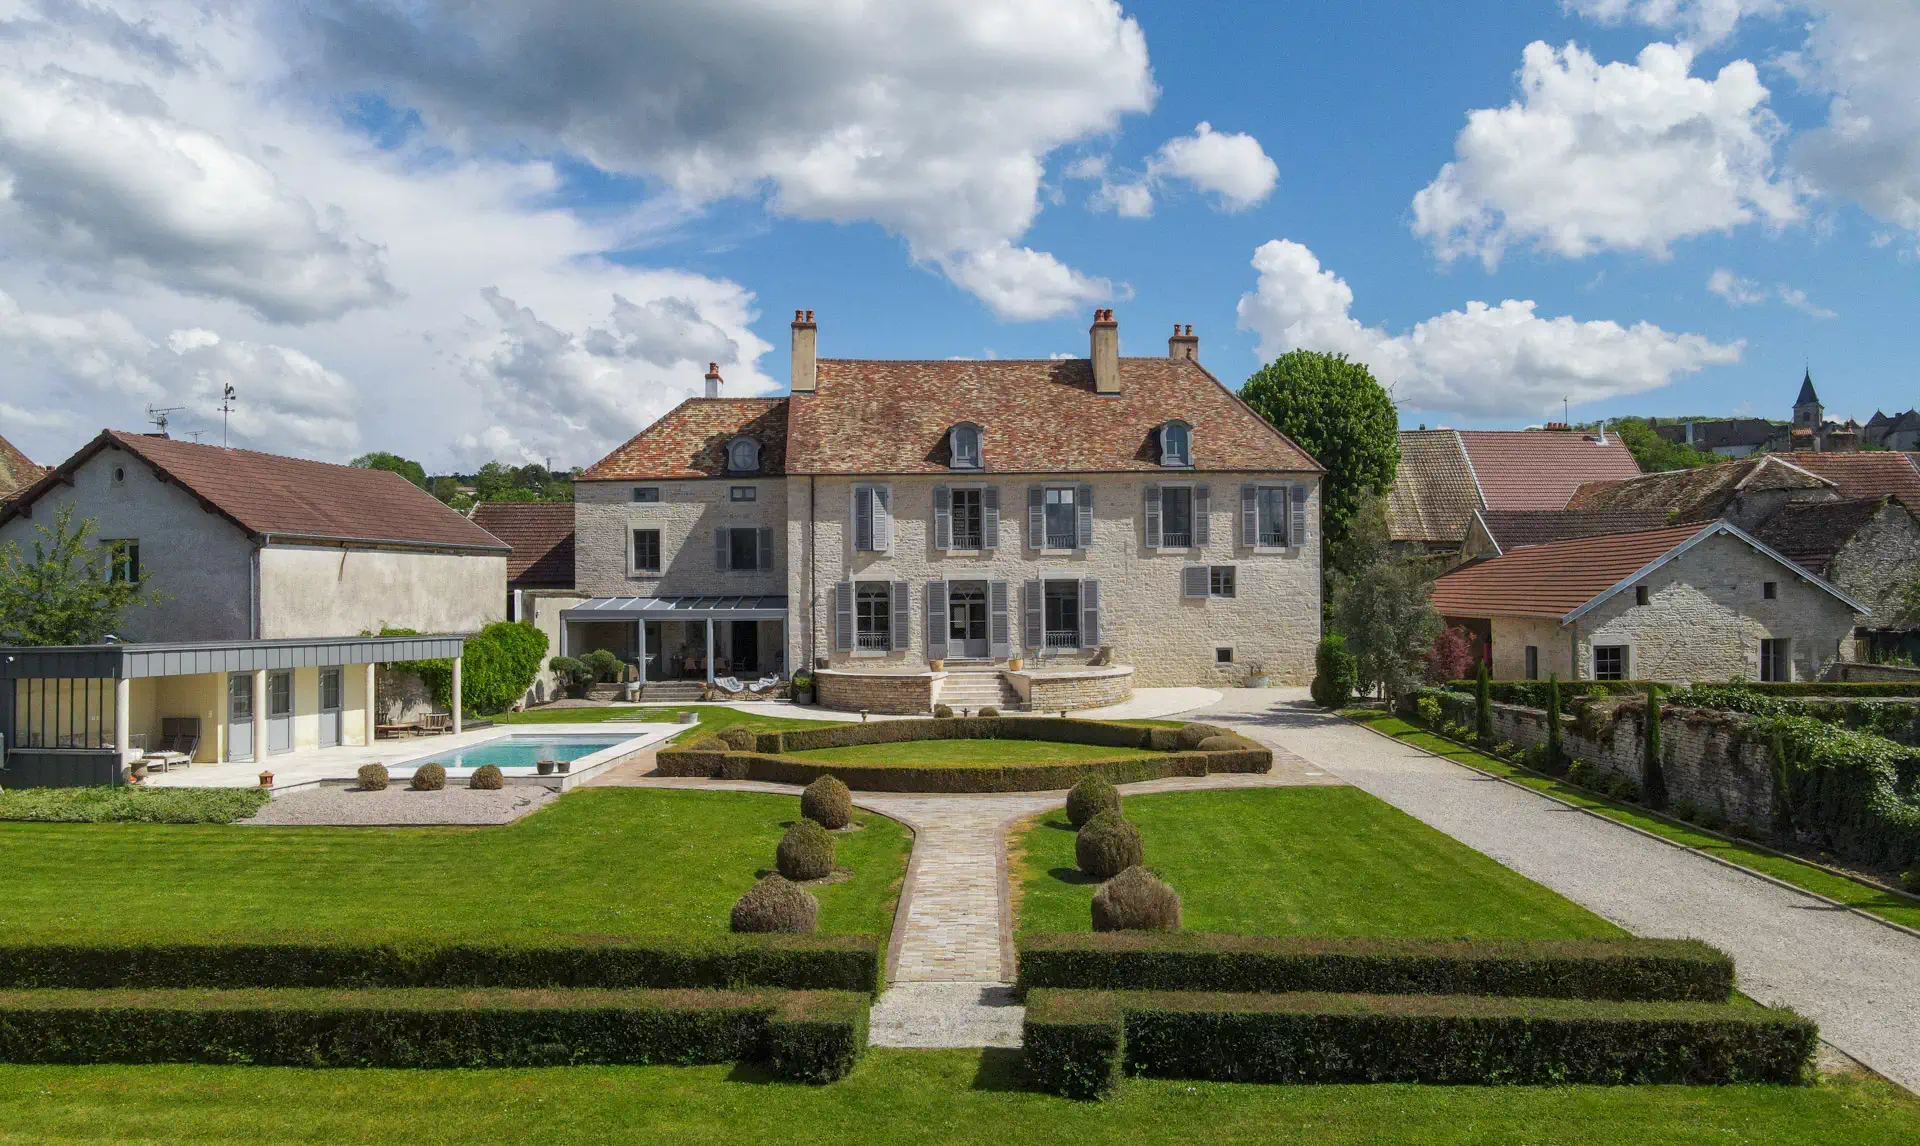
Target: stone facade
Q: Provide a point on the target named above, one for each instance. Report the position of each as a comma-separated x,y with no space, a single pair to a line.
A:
1056,692
1878,561
687,514
897,693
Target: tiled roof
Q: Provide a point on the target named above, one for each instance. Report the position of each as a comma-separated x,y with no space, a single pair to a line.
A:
1514,528
1810,533
1540,469
1875,473
1036,416
1554,579
291,497
690,441
1721,433
17,471
541,534
1697,494
1434,494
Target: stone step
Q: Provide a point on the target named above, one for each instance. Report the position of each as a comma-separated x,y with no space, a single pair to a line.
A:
673,691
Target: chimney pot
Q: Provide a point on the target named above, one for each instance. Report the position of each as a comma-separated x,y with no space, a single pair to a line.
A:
1183,345
713,379
1104,349
803,366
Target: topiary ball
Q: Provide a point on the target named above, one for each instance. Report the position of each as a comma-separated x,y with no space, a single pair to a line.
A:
1093,795
989,710
805,852
373,777
740,739
487,778
942,711
428,778
1107,846
827,802
1189,736
1136,900
774,904
1219,744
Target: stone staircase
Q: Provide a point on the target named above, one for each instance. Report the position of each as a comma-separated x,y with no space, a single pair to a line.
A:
672,691
975,687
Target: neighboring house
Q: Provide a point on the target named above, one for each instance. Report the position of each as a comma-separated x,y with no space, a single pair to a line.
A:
17,471
1446,475
893,513
1727,437
1869,547
1745,492
1681,603
540,569
1493,532
1893,432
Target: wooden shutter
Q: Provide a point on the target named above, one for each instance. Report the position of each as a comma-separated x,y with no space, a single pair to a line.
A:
843,617
766,547
1297,531
1084,509
990,517
721,553
942,517
1000,628
1152,514
882,519
1036,517
1195,581
936,620
1249,515
899,635
862,518
1202,506
1035,629
1090,613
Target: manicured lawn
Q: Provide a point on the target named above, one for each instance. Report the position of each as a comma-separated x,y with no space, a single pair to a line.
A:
602,861
1300,861
1847,891
970,753
962,1098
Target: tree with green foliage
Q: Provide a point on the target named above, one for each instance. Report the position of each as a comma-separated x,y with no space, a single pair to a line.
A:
72,592
393,463
1383,604
1653,774
1654,454
1336,673
1333,409
497,667
1483,705
1556,755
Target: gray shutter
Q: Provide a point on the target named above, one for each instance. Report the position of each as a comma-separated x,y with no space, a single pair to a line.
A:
1297,532
720,550
898,636
882,519
1036,517
942,517
843,617
766,547
862,518
1084,509
1202,506
936,620
1195,581
1000,629
1090,614
1152,513
1249,515
990,517
1036,621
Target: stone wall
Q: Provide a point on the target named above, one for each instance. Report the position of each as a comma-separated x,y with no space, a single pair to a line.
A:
400,697
1878,561
687,514
1095,688
897,694
1884,674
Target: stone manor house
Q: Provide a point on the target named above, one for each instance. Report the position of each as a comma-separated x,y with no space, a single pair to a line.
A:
1038,533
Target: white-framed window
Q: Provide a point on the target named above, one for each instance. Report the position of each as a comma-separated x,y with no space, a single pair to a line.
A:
873,616
1176,517
1610,662
1533,662
1062,624
1776,659
646,551
969,517
963,441
1273,517
1176,445
1222,581
123,560
646,493
1062,517
743,455
743,493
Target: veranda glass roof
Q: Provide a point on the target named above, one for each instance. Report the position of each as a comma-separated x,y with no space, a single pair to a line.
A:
720,608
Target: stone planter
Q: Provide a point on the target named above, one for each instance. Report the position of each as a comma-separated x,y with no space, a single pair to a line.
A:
689,718
544,767
1262,681
563,766
803,696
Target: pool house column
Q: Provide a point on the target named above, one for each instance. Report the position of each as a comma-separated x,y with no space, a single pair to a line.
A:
372,709
456,695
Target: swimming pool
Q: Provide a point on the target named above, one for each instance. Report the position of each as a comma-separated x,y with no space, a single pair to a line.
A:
520,751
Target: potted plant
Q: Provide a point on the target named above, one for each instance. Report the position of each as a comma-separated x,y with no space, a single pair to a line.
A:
937,665
563,766
138,769
1014,663
544,767
1257,675
803,688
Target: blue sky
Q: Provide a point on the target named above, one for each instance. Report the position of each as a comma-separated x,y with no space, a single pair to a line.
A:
476,231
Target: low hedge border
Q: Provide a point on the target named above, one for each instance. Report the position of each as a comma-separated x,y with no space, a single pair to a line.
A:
792,962
713,759
1647,970
1078,1043
807,1036
1533,693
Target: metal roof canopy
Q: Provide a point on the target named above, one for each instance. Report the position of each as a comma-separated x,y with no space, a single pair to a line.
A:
131,661
719,608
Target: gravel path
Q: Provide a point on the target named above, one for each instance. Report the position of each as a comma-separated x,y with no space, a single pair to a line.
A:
1860,981
401,807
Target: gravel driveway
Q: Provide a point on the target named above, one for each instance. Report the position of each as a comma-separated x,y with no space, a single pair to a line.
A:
399,806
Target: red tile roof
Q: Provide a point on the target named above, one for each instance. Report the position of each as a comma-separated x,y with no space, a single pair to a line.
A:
542,537
290,498
690,441
1554,579
1434,495
1541,469
1515,528
1697,494
17,471
1875,473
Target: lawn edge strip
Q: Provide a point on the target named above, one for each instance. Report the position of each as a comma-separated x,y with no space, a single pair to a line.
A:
1079,1043
1606,811
1629,969
803,1036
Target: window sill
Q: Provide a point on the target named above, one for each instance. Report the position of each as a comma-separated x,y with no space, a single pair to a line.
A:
644,575
872,654
1276,550
1058,552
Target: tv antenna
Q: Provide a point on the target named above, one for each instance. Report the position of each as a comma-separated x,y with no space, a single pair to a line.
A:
1566,409
158,415
226,413
194,434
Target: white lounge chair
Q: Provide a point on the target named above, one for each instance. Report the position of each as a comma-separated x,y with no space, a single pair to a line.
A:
764,683
729,684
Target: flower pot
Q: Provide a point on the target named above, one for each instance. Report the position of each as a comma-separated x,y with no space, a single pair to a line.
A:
803,696
266,779
1014,663
563,766
544,767
1259,682
689,718
139,770
937,665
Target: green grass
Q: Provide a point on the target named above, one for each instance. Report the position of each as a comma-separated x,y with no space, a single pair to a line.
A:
1301,861
1847,891
645,863
131,804
970,753
957,1098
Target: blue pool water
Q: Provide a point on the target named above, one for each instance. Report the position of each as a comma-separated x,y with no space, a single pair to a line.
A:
519,751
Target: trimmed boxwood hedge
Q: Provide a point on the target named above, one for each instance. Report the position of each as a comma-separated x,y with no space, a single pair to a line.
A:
1648,970
713,759
794,962
1079,1042
813,1036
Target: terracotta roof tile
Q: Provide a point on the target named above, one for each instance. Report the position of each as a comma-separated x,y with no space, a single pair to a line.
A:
1434,493
542,537
1875,473
1515,528
1541,469
1811,533
17,471
1554,579
1697,494
690,441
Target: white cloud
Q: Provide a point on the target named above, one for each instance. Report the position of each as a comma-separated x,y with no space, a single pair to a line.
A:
1488,361
1619,156
1018,282
1132,200
1797,299
1738,291
1704,22
1230,166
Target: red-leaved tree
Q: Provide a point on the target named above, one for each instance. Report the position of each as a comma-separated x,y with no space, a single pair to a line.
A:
1451,657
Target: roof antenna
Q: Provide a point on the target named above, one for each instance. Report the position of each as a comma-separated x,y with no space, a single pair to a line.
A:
1603,431
1566,410
226,413
158,415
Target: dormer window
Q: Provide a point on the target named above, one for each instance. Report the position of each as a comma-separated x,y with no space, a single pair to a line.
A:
964,441
1176,444
743,456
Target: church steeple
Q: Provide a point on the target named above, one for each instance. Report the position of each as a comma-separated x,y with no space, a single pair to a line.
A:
1807,413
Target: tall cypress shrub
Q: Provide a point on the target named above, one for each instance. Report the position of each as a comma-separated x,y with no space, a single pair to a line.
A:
1653,778
1483,706
1556,757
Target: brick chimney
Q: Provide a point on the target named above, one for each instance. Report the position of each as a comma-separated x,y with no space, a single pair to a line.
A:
1105,352
1183,344
713,379
805,357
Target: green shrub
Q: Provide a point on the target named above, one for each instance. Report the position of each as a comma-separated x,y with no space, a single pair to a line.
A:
1427,708
574,675
1136,900
374,777
942,711
802,682
827,802
774,904
604,665
1910,880
1336,673
805,852
1556,755
131,804
428,778
1858,793
1482,706
1090,796
1189,736
499,664
739,739
487,778
1648,970
1107,845
989,711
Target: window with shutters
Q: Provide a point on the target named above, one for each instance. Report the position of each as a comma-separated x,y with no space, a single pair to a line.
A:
1062,520
964,443
646,551
872,518
1222,581
1273,517
872,616
1176,517
743,549
969,518
1062,614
